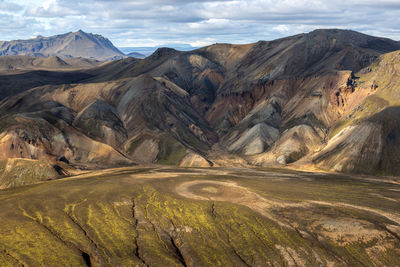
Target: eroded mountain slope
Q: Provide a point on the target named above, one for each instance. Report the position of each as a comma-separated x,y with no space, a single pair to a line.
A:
367,139
274,103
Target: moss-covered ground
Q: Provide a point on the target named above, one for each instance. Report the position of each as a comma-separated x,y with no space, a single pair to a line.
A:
222,217
18,172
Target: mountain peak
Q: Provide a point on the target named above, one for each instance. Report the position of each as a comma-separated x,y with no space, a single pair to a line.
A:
354,38
80,32
163,51
72,44
332,30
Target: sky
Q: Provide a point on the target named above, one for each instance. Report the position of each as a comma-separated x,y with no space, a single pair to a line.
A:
138,23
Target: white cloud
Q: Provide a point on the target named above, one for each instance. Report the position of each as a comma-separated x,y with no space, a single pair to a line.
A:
209,24
281,28
204,42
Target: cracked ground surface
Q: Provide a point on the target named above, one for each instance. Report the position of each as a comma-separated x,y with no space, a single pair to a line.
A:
162,216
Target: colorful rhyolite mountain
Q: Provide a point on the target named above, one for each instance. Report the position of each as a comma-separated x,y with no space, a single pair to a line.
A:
327,100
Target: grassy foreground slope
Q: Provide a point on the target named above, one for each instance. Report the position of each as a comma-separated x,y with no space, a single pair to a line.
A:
201,217
18,172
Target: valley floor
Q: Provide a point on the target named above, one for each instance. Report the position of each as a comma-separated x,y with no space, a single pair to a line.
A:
166,216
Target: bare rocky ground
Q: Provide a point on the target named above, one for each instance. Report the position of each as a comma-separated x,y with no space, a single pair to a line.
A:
165,216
